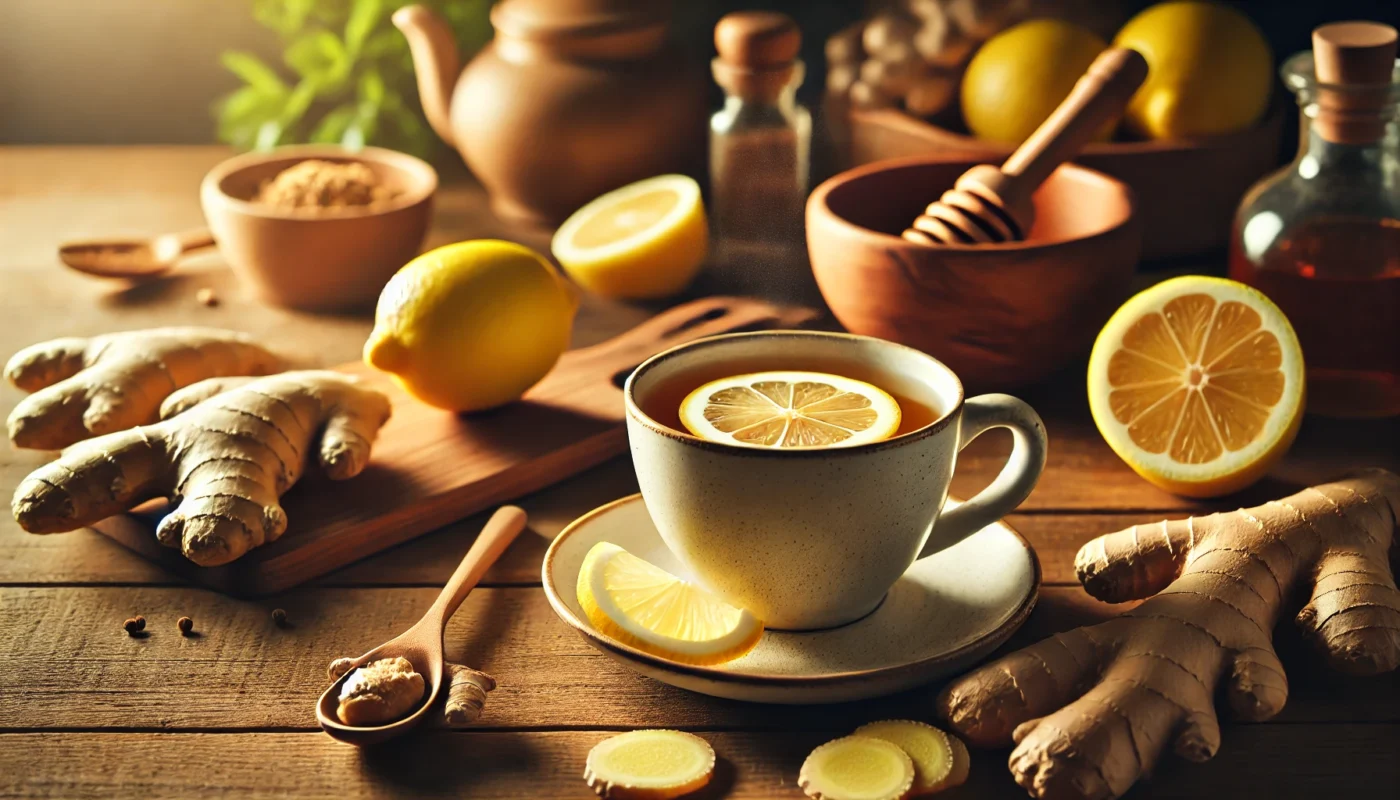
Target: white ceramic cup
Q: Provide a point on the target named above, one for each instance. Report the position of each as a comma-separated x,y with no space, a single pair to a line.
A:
814,538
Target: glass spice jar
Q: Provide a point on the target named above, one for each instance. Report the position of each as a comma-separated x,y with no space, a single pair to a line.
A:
1321,237
760,144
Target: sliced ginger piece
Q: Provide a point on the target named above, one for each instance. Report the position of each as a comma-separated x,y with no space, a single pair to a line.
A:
940,761
857,768
649,765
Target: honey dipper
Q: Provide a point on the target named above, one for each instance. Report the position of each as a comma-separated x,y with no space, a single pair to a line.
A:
989,205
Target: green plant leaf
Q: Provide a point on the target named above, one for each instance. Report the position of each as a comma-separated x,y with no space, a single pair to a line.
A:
354,136
352,75
319,56
371,88
253,71
269,133
385,44
284,16
297,103
242,112
364,16
332,127
331,12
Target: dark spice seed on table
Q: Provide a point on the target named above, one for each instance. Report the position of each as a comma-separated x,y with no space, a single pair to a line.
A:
279,617
135,625
185,624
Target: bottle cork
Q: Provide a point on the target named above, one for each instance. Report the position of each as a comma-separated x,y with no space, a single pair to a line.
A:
1354,64
757,53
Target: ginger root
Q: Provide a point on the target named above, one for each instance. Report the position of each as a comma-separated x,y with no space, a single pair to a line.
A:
89,387
466,695
1091,710
225,451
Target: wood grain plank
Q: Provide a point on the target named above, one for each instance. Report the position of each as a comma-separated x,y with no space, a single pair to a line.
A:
1257,761
1082,475
69,664
84,557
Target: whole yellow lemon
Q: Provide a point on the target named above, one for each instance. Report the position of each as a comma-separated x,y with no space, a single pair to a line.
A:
1210,71
471,325
1018,77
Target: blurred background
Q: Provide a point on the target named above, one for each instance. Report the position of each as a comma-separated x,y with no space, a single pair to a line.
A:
265,72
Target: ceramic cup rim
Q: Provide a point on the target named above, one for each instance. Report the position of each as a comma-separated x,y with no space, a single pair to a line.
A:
637,415
422,175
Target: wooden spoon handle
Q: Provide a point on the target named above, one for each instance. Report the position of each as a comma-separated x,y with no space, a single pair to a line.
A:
1102,93
684,323
195,239
493,540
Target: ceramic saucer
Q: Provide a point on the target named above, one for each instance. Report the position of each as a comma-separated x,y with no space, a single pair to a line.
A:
947,612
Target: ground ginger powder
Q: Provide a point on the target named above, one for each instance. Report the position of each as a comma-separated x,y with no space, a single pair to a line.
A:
324,185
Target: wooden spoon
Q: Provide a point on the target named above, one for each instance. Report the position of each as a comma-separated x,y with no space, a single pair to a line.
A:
133,259
422,644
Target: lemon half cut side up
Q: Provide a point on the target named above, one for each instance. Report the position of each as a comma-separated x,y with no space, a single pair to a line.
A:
1197,384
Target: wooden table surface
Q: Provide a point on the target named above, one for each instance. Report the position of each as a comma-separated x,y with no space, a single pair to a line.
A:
86,711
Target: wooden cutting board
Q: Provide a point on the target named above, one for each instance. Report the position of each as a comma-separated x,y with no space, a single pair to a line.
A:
430,467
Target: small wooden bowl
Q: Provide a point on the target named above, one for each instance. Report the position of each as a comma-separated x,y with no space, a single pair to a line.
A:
1187,190
311,259
1001,315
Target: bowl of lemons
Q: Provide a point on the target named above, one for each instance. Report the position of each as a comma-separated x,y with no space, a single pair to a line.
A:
1202,129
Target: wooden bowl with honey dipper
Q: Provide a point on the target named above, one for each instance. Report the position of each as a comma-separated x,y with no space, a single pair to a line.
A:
319,227
1001,315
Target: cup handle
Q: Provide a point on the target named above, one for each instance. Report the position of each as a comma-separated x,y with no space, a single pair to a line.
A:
1016,479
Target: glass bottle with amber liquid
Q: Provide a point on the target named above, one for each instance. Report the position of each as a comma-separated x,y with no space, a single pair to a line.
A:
1321,237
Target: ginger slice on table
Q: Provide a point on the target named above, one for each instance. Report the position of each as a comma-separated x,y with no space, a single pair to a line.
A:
649,765
225,452
857,768
1091,710
941,761
89,387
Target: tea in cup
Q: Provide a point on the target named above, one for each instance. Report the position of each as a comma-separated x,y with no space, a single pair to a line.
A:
813,537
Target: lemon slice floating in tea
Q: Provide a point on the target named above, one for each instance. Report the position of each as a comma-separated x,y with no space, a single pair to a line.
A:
1197,383
643,605
790,409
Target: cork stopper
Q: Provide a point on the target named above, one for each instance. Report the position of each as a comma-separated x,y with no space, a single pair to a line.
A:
757,53
1354,63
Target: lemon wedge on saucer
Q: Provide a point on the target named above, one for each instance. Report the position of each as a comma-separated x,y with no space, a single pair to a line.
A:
646,607
1197,383
790,409
644,241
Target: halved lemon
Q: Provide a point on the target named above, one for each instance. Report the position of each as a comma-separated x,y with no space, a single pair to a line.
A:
790,409
1197,383
645,240
642,605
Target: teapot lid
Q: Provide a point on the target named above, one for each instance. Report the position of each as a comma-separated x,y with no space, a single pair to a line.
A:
542,18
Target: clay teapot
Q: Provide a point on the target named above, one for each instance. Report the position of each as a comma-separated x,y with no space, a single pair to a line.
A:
573,98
